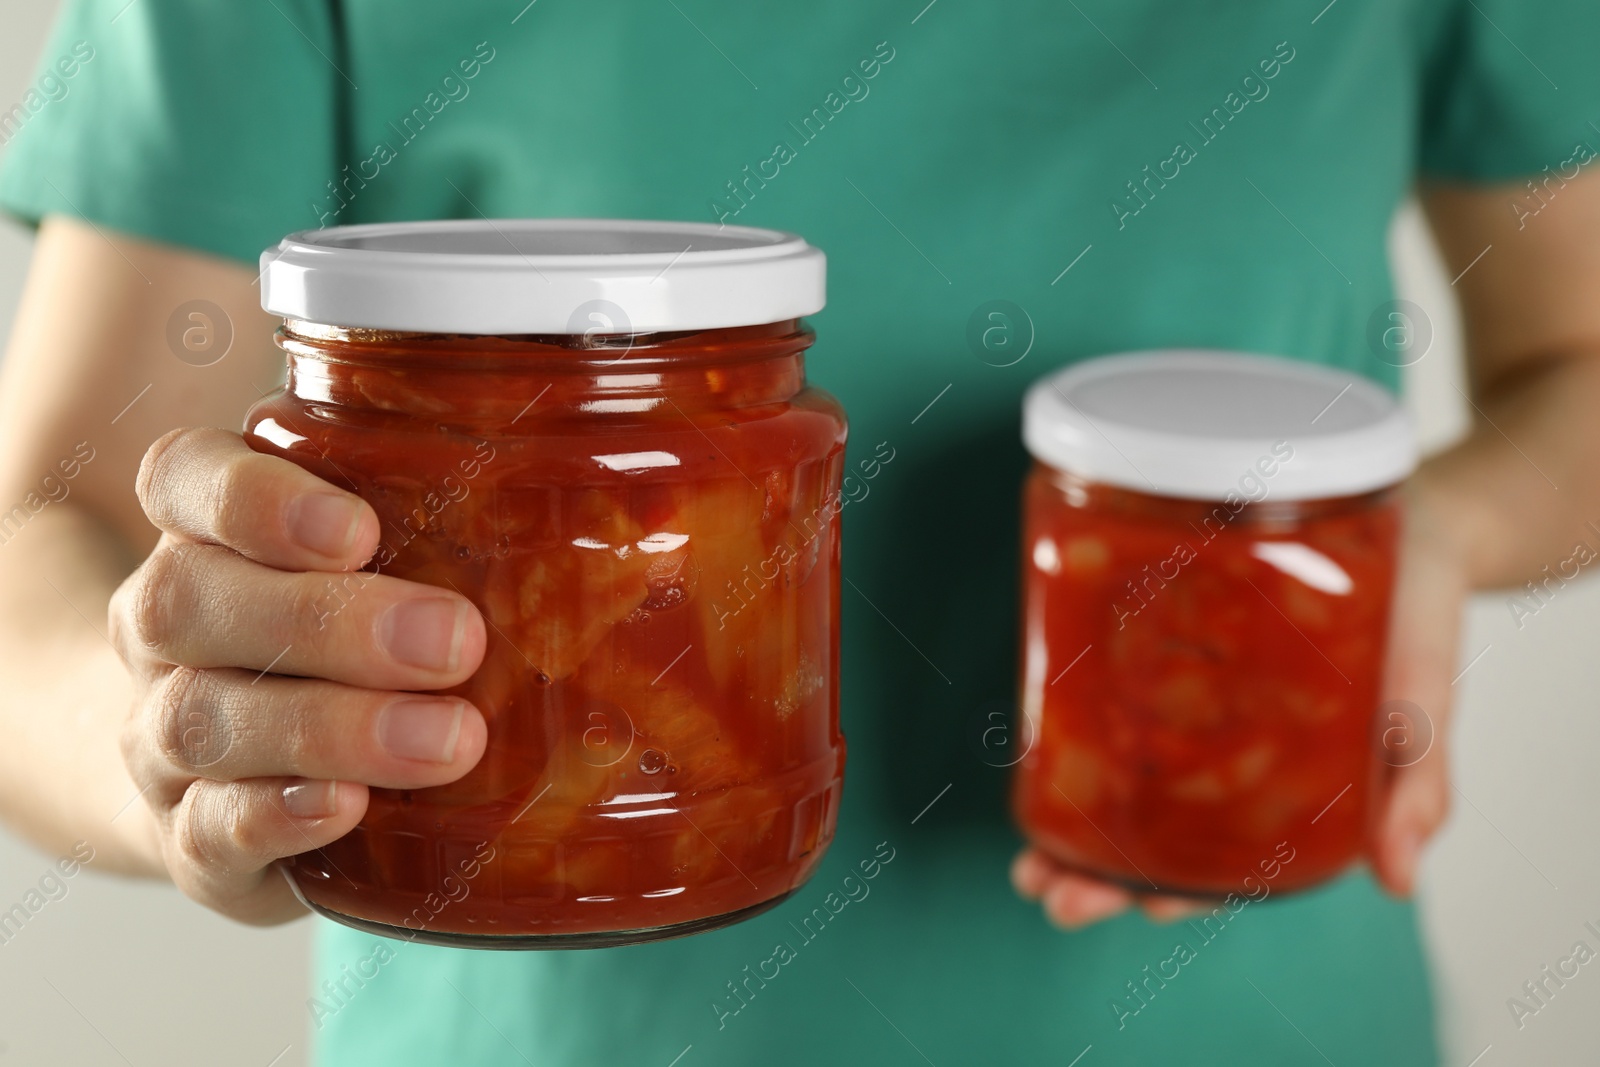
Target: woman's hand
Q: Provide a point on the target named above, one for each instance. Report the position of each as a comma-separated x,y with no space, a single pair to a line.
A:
271,679
1413,717
1072,900
1486,513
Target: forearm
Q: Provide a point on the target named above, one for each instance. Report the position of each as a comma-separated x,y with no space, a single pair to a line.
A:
87,382
67,693
1518,494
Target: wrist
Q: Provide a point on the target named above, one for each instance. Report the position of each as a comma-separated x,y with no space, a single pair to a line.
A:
1447,530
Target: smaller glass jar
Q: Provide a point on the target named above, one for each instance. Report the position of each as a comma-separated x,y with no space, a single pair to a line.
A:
601,434
1208,561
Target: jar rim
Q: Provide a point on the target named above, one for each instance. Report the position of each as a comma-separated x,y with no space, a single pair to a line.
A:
542,276
1199,424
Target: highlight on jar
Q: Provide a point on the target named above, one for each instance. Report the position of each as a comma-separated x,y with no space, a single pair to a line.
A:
600,433
1208,559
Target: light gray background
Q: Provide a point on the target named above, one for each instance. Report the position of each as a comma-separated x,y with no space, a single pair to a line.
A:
140,976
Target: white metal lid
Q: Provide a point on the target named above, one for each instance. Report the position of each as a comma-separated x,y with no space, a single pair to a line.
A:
560,276
1203,424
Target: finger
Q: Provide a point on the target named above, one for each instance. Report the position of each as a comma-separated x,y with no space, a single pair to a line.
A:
227,725
226,834
208,485
1418,802
1072,900
1425,627
205,606
1164,909
1031,873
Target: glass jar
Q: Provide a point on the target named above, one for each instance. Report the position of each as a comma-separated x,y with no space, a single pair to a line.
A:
601,434
1208,559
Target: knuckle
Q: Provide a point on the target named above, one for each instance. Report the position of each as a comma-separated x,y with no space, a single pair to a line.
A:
331,596
119,620
203,822
238,506
143,768
219,830
184,720
161,469
305,607
159,591
157,458
298,723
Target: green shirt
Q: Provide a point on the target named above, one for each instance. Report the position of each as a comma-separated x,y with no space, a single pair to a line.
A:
1130,174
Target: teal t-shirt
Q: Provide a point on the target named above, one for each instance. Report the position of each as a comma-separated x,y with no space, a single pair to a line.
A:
1121,173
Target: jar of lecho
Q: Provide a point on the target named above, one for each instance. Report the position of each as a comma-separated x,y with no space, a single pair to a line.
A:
1208,561
600,433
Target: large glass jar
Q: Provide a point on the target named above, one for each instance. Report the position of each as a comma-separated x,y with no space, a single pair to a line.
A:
640,493
1208,560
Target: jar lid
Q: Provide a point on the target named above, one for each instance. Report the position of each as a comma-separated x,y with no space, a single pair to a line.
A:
551,276
1203,424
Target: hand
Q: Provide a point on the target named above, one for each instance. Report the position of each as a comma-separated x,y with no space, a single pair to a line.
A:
1072,900
244,767
1425,626
1430,593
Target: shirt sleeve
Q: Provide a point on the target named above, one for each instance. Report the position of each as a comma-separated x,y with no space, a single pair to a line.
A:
1513,86
207,125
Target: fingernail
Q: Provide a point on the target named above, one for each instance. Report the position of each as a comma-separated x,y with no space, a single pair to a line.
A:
325,523
421,729
311,800
425,633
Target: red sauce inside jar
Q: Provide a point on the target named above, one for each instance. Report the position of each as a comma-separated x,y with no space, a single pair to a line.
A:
1201,683
650,529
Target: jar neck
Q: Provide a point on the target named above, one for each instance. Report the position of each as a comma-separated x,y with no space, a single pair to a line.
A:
489,380
1077,491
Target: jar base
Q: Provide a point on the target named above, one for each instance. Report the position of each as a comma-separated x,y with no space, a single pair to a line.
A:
530,942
